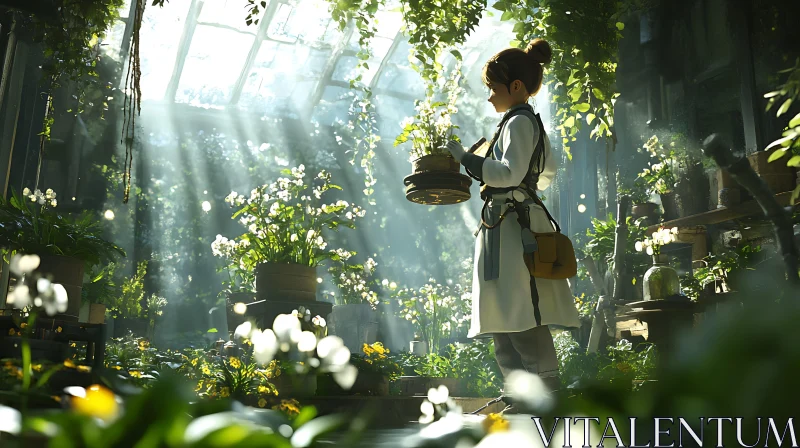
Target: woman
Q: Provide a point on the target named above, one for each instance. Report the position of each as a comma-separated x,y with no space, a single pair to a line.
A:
507,303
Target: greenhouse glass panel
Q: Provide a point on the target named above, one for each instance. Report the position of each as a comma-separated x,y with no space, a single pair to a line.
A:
213,65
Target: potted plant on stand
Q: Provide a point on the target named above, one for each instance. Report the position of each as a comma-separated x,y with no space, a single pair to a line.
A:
661,281
284,242
659,178
640,198
353,317
436,177
67,246
130,307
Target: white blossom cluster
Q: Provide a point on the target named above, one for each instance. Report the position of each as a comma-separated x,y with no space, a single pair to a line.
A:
328,354
34,288
659,238
46,198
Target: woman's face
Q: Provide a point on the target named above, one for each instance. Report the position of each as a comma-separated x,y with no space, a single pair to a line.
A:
502,99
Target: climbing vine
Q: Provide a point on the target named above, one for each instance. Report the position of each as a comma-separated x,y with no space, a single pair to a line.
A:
583,35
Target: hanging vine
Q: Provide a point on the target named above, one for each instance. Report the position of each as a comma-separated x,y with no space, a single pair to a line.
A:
132,105
584,36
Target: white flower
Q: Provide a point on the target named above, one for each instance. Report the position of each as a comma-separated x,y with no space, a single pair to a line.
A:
649,250
23,264
293,237
20,297
243,330
438,395
26,191
307,342
53,203
54,299
265,345
639,246
346,376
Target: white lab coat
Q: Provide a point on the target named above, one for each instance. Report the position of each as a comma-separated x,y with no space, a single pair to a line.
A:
504,305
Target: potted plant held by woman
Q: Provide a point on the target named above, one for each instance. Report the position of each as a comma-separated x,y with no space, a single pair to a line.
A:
67,246
284,241
436,179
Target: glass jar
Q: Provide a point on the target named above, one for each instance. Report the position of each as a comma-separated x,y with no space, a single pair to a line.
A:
660,281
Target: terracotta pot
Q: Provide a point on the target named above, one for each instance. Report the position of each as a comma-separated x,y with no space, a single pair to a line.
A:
276,281
68,272
436,180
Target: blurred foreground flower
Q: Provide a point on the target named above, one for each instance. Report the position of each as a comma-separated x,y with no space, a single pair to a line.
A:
96,401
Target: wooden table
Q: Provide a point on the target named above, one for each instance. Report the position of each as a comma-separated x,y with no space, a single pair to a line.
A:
71,331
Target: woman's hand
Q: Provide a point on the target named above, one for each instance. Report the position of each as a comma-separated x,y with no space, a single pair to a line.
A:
456,150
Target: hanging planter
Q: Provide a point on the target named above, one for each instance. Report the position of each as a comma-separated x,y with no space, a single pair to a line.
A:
437,180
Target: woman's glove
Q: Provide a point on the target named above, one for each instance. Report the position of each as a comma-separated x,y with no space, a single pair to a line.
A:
456,150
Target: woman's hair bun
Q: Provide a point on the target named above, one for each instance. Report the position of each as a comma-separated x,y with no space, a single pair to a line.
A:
539,51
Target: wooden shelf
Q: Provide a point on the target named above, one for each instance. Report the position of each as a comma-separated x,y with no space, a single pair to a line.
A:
743,210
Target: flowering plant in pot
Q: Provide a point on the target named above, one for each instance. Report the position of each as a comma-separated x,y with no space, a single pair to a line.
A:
67,245
432,127
660,281
437,311
660,178
284,241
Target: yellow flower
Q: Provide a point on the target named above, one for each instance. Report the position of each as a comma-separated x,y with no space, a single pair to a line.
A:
36,367
194,362
367,349
117,367
69,363
135,374
235,362
59,329
86,369
495,423
143,344
288,407
99,402
11,332
199,386
225,392
262,402
206,370
379,348
23,325
262,389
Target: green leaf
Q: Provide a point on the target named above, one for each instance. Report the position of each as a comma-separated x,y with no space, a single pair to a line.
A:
507,15
583,107
794,161
456,54
776,155
795,122
795,194
784,107
590,118
599,94
569,122
620,26
500,6
212,330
